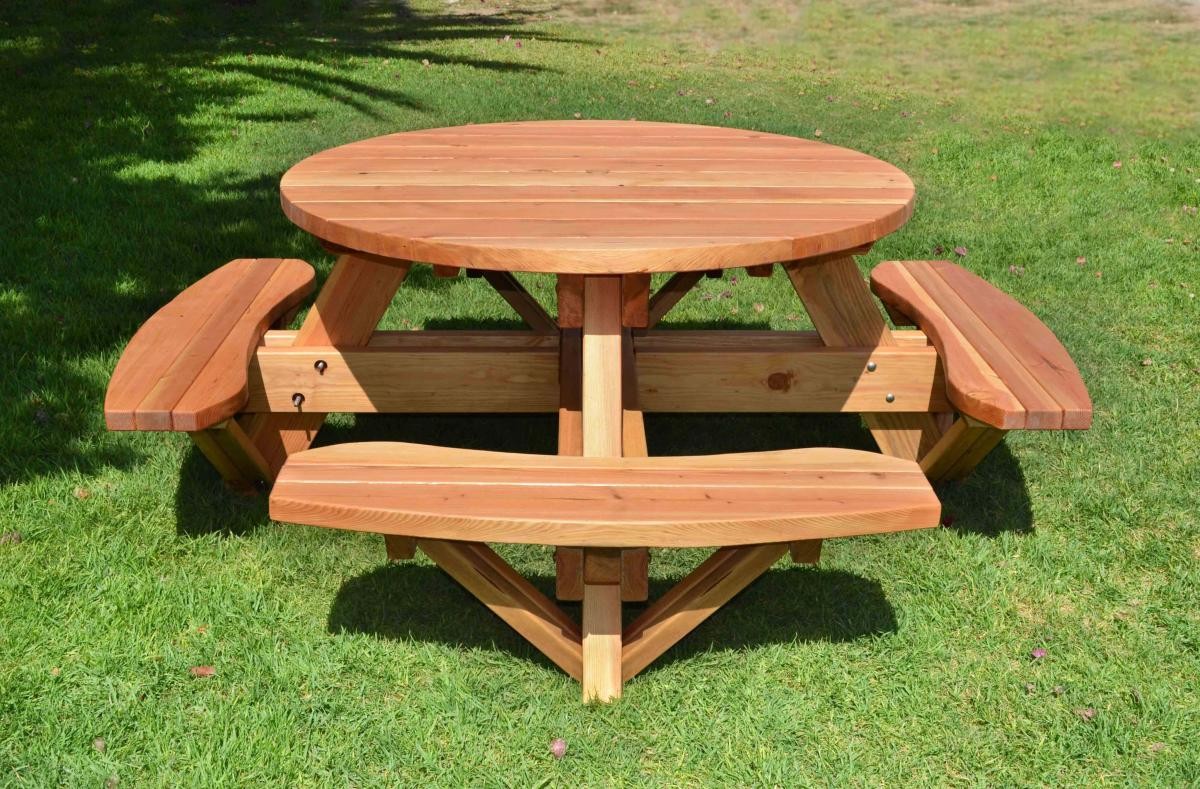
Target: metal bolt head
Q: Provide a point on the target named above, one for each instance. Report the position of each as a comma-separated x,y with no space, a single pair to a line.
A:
871,367
891,398
297,399
320,366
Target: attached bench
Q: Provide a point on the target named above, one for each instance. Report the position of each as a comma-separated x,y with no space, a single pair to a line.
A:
186,368
451,501
1004,369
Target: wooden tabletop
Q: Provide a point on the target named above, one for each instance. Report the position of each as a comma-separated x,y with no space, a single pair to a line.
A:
598,197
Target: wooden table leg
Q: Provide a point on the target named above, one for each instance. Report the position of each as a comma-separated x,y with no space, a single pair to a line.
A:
601,624
346,312
841,307
635,562
568,561
602,437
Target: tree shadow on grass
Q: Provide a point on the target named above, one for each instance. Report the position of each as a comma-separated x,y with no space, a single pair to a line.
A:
100,101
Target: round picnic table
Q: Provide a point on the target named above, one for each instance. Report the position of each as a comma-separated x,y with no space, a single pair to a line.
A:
596,197
603,205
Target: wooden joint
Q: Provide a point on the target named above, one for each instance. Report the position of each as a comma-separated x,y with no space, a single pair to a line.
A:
805,551
602,566
635,300
400,548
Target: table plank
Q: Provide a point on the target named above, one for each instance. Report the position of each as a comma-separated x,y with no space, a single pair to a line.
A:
596,197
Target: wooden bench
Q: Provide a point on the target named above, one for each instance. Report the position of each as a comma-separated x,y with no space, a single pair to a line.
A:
451,501
1004,369
186,368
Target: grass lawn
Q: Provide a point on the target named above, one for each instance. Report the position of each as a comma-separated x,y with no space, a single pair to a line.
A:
141,146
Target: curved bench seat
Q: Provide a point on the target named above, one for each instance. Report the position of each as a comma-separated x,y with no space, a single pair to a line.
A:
715,500
1002,365
186,368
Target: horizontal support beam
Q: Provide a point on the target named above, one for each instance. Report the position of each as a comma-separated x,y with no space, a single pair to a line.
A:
766,372
517,372
411,372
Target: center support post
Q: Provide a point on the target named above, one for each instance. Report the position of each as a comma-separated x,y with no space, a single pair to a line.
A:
602,437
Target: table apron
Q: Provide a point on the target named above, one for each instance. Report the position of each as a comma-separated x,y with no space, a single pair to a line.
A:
517,372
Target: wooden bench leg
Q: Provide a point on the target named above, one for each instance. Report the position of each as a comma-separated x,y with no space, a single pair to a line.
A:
960,449
694,599
399,548
489,578
805,551
232,452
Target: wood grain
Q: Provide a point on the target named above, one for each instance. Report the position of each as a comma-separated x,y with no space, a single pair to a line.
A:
842,310
602,366
485,575
667,296
964,444
464,371
525,305
346,312
601,640
635,562
444,493
578,197
185,368
1003,366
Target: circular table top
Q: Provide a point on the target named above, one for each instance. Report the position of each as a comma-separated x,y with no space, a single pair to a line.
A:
595,197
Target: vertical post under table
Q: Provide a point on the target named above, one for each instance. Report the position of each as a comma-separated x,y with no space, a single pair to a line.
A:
602,411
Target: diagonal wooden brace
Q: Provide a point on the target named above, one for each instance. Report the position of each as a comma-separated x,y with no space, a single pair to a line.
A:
697,597
512,598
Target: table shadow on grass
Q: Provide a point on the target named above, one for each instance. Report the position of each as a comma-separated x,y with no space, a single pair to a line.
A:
205,505
413,602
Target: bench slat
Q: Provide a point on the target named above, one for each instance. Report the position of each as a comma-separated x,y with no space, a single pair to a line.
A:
186,368
1030,340
458,494
1002,365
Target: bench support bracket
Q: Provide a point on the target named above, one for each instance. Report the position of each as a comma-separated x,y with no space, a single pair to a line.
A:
960,449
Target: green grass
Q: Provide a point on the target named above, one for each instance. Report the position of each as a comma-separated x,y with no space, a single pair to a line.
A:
142,147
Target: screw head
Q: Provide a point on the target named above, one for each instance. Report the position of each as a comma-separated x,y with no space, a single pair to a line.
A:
891,398
871,367
320,366
297,399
